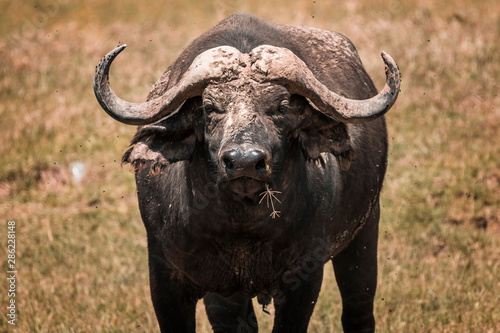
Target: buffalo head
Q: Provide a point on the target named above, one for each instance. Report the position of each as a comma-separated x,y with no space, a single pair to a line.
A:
245,110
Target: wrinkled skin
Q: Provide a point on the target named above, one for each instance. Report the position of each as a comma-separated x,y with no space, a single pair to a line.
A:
202,171
246,117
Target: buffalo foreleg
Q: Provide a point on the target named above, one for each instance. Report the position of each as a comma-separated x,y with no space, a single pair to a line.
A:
174,304
356,274
295,303
231,314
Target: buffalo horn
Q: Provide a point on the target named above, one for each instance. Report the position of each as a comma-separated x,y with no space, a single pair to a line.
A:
283,66
210,65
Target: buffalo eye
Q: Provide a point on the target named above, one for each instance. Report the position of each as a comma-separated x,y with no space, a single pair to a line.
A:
284,106
209,107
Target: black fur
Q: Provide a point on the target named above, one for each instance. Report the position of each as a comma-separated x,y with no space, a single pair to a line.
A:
205,241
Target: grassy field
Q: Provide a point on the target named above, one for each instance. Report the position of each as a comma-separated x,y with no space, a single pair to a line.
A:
81,249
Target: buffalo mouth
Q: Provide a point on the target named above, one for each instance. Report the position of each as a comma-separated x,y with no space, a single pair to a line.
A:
246,189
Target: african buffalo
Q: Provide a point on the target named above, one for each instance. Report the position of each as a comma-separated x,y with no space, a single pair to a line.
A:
259,157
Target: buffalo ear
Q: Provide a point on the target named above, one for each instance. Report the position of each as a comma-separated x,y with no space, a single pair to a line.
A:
321,134
166,142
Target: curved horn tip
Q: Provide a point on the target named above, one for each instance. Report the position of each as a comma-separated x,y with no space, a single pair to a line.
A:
103,66
391,69
117,50
388,59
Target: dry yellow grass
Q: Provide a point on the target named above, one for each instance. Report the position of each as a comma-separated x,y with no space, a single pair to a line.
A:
81,253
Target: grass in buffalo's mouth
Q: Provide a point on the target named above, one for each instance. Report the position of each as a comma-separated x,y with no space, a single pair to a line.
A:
269,195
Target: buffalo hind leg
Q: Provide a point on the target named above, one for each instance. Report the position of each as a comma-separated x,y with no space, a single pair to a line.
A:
234,314
356,273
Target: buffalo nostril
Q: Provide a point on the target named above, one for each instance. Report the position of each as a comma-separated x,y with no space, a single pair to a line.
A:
250,163
261,165
231,160
228,163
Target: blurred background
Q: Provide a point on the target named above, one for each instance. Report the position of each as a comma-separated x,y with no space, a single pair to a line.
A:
81,247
